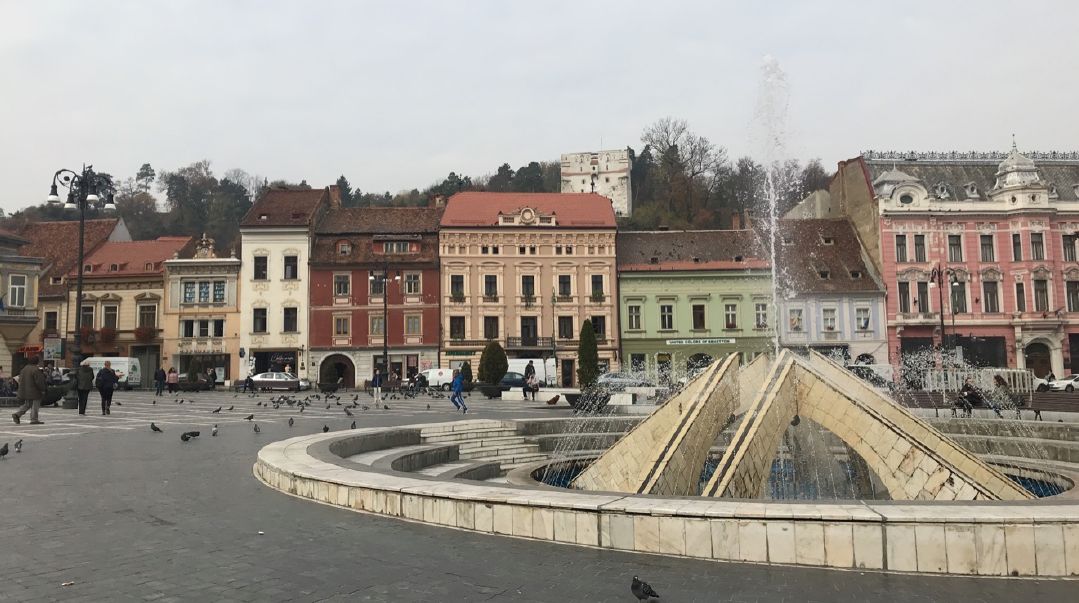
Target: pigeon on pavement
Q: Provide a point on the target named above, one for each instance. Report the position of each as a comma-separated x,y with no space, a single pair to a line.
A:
18,446
353,425
385,407
187,435
291,422
213,432
325,428
348,412
215,411
642,590
231,407
155,428
3,450
249,417
257,430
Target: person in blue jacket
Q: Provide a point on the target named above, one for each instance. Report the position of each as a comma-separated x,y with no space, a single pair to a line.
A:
456,397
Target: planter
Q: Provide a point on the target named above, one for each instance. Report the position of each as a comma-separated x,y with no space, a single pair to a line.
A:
591,400
145,334
490,391
107,335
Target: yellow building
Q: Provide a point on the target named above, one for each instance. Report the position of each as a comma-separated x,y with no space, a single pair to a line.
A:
201,320
18,311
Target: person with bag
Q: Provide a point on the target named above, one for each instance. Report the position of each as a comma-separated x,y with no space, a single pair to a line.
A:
531,385
106,384
376,386
84,382
173,380
159,381
31,391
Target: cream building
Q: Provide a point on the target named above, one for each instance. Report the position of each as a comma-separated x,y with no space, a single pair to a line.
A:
18,313
526,270
274,280
604,172
201,319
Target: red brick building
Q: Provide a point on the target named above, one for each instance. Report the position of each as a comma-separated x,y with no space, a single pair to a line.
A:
353,309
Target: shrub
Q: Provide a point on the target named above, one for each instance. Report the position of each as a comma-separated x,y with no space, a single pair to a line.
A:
493,363
587,357
466,372
106,335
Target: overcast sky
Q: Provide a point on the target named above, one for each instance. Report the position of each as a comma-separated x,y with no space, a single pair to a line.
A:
396,94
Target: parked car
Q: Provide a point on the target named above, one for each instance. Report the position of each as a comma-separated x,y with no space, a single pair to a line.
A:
1041,385
305,384
617,382
1066,384
185,384
510,380
272,380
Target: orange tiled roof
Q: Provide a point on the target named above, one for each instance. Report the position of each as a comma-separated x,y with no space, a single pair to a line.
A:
135,258
58,244
285,207
571,210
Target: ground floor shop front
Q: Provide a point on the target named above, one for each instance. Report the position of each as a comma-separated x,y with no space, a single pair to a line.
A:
668,360
354,367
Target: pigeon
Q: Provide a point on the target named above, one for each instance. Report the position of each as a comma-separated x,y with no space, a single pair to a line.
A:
642,590
327,407
258,404
348,412
428,407
257,430
302,407
231,407
215,411
155,428
154,402
18,446
325,428
3,450
353,425
385,407
118,403
187,435
366,407
291,422
213,432
249,417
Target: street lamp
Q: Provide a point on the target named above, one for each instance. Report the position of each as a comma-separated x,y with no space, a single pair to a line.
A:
83,192
938,276
384,278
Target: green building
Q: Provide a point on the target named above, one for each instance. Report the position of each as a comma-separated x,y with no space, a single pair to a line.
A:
689,297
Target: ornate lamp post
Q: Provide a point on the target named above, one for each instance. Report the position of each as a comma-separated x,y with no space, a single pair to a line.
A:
384,278
84,191
938,276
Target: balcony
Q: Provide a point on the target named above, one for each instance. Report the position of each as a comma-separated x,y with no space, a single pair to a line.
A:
597,298
529,301
468,343
529,343
457,297
490,298
563,299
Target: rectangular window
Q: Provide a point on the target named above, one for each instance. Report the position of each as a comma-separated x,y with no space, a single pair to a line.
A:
219,292
794,320
599,326
289,322
698,317
490,285
900,248
262,271
1017,247
565,327
377,284
990,297
634,313
189,293
259,321
988,253
377,326
564,288
828,319
457,327
528,285
340,326
1069,248
904,297
760,315
342,284
52,321
413,325
637,362
204,292
1041,295
666,317
109,316
490,327
597,285
1073,296
292,267
959,298
861,319
403,247
919,248
204,328
219,327
730,316
1037,246
412,283
1020,298
148,315
457,286
188,327
955,248
924,303
16,297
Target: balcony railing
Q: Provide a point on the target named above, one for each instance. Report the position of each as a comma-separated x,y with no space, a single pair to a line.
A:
528,300
469,343
597,298
517,343
457,297
563,299
490,298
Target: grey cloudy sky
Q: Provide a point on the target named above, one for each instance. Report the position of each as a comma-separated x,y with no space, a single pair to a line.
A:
397,94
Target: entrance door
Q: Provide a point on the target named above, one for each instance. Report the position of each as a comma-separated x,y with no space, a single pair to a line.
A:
149,361
529,331
567,373
1037,357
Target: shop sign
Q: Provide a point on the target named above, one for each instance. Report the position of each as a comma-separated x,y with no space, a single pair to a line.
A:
701,341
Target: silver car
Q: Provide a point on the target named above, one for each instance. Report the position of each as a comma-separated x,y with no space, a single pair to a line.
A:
273,380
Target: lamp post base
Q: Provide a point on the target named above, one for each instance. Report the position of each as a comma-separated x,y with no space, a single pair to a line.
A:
70,400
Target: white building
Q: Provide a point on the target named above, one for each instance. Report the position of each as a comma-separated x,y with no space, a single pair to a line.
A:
274,279
604,172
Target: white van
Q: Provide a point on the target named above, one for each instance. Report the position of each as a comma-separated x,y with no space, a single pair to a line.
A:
439,377
128,370
545,369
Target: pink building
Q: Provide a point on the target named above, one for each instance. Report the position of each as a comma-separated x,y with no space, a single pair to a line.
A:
999,232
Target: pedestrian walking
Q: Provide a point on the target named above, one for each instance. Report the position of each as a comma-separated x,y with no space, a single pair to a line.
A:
376,386
106,384
456,388
159,381
84,382
249,383
531,386
211,378
31,391
173,380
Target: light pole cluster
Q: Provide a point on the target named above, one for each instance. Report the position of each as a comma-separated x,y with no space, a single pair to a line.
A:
384,278
938,276
85,190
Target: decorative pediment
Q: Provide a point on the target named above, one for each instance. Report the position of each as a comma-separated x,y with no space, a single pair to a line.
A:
961,274
1042,273
913,275
527,216
110,297
147,296
1071,274
992,274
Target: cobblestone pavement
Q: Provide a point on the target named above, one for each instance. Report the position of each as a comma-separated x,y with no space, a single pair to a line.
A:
125,514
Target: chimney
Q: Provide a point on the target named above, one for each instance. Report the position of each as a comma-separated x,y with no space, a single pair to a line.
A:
438,201
335,196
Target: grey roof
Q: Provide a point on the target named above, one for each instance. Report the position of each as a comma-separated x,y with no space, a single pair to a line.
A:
957,174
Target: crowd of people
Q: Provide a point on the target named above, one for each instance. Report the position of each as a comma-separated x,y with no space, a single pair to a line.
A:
32,385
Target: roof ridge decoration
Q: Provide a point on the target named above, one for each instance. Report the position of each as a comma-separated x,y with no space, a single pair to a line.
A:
965,156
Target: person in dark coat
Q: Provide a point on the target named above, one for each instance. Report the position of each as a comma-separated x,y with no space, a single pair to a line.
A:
159,381
32,388
106,384
84,382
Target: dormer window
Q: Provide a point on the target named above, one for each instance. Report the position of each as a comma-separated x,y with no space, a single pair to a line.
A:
1075,189
507,219
972,190
57,280
941,190
653,260
856,274
828,240
264,216
906,199
824,274
114,267
1053,194
739,258
88,268
344,248
149,266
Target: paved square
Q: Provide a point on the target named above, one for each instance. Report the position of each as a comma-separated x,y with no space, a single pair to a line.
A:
129,515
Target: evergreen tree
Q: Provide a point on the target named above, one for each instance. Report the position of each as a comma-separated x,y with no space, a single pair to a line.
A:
466,372
493,363
587,357
345,189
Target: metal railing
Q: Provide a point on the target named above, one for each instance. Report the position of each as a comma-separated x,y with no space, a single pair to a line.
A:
952,380
528,342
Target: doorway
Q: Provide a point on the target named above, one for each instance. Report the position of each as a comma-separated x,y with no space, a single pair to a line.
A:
567,373
529,331
338,366
1037,359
